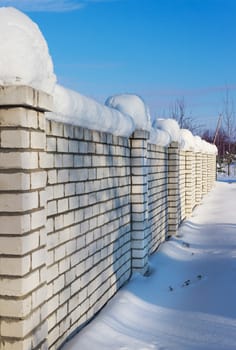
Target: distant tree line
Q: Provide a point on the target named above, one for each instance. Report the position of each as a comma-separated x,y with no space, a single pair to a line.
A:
224,136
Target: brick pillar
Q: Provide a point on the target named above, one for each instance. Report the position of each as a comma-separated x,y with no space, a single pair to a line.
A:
204,174
139,201
198,178
190,183
23,309
182,184
211,171
174,212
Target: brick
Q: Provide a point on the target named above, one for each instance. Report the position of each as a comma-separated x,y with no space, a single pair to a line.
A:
53,335
58,160
62,145
39,335
59,222
51,144
42,198
38,258
52,177
38,179
61,312
18,202
16,226
63,176
46,160
83,147
58,284
15,307
20,328
37,140
19,160
62,205
15,139
52,272
68,219
68,131
39,296
64,265
25,96
60,252
14,182
67,160
58,191
18,117
73,146
19,286
14,266
51,208
19,245
70,189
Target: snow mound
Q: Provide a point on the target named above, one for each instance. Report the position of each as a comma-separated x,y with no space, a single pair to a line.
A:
73,108
24,56
133,106
195,143
170,127
187,141
160,137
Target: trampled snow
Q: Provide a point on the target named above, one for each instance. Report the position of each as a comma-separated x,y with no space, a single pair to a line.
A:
188,301
24,56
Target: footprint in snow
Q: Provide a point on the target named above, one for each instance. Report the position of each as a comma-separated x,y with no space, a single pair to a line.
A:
187,283
185,244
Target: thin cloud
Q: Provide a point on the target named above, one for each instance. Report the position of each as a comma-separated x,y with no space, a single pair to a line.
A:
50,5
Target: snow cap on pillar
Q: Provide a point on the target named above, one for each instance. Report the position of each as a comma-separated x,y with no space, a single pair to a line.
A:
24,56
134,106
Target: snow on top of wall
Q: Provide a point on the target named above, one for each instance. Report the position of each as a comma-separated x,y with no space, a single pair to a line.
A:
159,137
134,106
165,131
195,143
76,109
187,140
170,131
24,57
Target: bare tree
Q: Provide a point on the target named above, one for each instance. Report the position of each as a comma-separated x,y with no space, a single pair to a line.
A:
229,128
185,121
228,113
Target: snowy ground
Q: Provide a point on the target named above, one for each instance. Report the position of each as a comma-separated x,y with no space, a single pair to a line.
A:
188,301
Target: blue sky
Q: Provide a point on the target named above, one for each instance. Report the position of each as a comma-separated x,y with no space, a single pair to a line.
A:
162,50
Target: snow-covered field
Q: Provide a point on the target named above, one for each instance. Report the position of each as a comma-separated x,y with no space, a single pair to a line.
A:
189,300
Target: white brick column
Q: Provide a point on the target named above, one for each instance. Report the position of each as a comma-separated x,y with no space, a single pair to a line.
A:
174,212
23,309
211,172
139,201
182,184
190,183
198,182
204,174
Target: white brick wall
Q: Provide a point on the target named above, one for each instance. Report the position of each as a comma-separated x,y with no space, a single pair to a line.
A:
73,196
